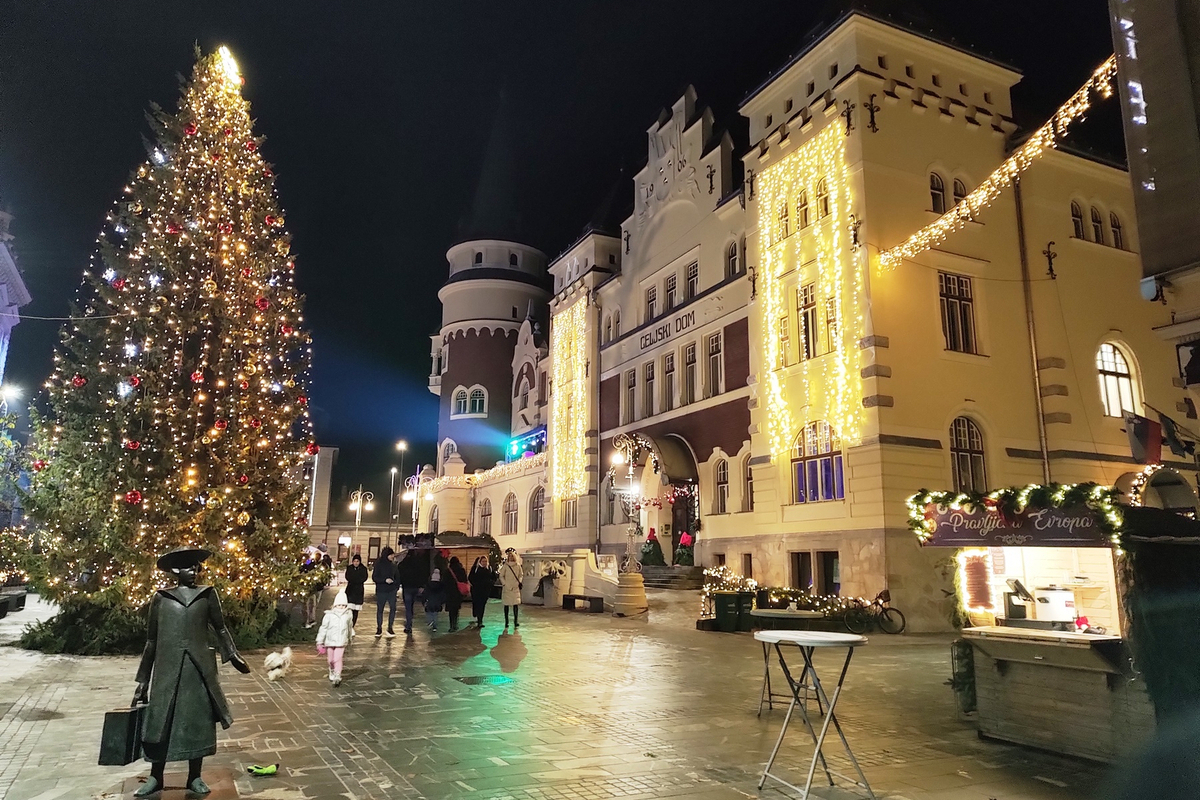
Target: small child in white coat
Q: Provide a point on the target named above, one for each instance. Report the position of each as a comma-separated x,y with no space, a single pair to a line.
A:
337,628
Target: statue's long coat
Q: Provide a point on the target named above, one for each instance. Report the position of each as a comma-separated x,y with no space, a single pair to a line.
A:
186,700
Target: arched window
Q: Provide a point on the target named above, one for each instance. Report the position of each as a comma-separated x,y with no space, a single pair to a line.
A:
460,401
512,259
1116,381
731,260
1077,220
960,191
1114,222
785,229
449,448
510,514
607,329
722,487
617,324
525,387
937,193
802,209
478,257
485,517
747,486
537,509
967,457
822,199
433,520
478,402
1097,226
817,465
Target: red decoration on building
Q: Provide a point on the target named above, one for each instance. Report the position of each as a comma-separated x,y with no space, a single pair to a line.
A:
133,497
221,424
78,381
190,129
197,377
312,449
133,444
262,304
119,283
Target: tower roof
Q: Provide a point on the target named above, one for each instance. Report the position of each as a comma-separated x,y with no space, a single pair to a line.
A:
494,213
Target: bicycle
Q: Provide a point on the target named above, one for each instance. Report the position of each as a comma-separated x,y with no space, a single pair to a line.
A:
889,620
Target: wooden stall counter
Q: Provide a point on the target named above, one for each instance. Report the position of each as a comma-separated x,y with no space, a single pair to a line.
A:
1071,693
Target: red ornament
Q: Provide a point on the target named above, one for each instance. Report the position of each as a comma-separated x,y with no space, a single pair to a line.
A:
286,329
190,129
291,265
135,381
269,219
78,381
39,465
243,479
119,283
301,520
244,385
226,227
133,444
247,272
267,172
173,228
221,424
216,156
197,377
262,304
133,497
312,449
255,422
302,400
229,131
251,145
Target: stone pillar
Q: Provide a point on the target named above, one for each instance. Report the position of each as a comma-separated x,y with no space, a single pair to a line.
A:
631,595
577,562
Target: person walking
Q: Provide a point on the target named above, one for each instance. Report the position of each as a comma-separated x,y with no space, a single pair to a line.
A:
457,590
356,580
510,580
337,628
435,592
413,573
482,579
386,585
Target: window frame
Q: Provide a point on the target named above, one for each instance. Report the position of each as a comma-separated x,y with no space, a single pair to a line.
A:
958,191
957,310
509,515
715,364
1112,378
648,388
1118,231
822,198
630,392
747,485
1077,220
537,510
937,193
785,225
485,517
802,220
670,293
478,401
651,303
459,404
692,283
784,332
721,486
433,519
690,369
732,260
668,381
968,456
817,465
568,512
1097,226
806,306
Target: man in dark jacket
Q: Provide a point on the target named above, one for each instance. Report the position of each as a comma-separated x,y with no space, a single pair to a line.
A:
186,701
414,574
386,584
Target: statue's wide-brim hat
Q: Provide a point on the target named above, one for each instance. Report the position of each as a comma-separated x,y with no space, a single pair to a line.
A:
182,558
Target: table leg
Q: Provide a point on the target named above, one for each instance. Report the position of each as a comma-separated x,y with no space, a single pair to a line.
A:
766,680
831,717
795,688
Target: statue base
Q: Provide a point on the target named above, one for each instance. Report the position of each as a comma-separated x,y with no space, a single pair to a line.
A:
631,595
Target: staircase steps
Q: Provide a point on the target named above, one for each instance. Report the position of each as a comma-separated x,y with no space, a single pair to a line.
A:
678,578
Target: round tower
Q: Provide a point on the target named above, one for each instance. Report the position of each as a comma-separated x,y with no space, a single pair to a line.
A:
494,285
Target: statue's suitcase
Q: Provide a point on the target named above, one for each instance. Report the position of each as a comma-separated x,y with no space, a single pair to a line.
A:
121,740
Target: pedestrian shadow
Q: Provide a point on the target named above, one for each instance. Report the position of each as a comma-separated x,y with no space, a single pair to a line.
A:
509,651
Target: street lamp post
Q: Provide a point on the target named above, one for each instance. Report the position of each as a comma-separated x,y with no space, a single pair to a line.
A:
8,392
626,454
394,511
360,501
391,503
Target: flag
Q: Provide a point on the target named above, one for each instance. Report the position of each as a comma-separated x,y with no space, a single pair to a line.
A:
1145,439
1170,434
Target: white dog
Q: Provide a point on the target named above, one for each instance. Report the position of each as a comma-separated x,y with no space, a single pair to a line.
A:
278,664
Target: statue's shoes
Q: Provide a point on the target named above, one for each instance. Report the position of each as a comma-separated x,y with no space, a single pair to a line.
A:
198,786
151,786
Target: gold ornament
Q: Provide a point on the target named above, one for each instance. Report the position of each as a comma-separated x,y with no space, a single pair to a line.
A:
137,208
243,518
206,439
143,171
283,247
210,285
214,501
251,369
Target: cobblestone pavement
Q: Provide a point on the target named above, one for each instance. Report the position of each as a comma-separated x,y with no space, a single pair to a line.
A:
570,707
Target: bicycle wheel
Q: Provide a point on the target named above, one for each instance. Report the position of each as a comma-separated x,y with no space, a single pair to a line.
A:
858,620
891,620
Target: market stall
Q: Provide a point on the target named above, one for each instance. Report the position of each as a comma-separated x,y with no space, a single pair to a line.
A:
1040,579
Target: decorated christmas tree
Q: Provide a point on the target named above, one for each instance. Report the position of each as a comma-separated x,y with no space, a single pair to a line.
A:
178,409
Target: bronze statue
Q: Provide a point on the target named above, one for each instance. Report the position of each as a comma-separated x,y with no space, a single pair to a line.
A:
185,698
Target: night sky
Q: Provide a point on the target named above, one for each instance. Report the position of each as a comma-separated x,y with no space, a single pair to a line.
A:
377,115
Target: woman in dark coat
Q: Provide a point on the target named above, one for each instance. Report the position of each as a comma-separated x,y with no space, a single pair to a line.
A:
186,702
482,579
386,585
356,579
455,575
435,590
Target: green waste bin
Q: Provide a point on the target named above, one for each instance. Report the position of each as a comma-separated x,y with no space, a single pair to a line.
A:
726,606
745,606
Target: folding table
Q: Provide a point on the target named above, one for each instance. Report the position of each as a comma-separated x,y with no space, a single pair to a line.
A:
773,616
807,642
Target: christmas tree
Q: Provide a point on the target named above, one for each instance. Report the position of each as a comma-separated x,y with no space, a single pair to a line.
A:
178,409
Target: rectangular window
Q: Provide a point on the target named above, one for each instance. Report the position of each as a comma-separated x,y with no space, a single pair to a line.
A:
651,303
719,559
670,292
568,514
785,342
630,396
668,382
832,330
689,374
808,321
543,392
693,280
747,565
714,365
958,312
648,404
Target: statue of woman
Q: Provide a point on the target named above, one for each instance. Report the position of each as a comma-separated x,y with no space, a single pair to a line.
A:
179,673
